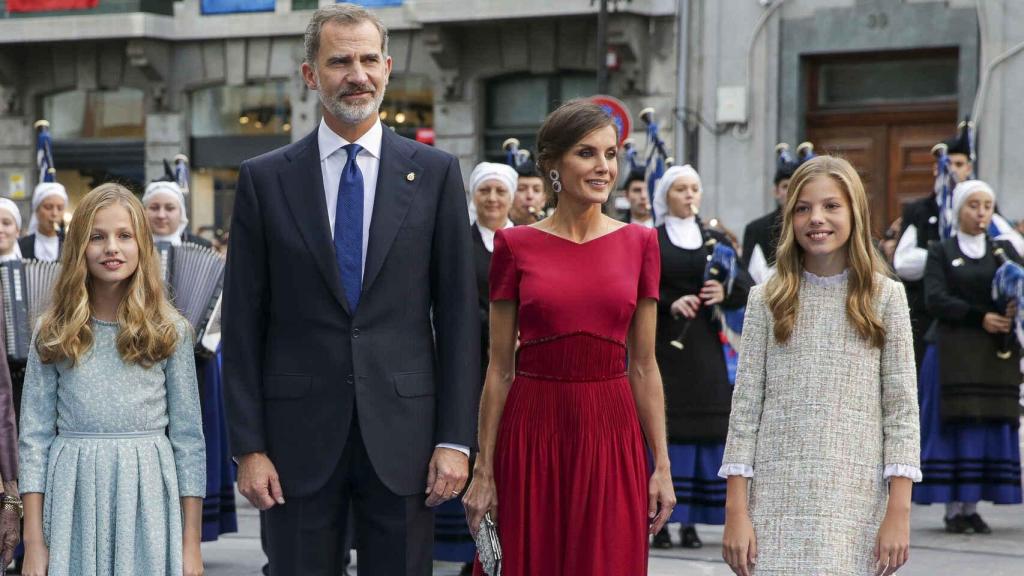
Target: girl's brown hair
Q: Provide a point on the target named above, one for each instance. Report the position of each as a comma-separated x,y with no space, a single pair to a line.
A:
561,130
782,292
147,322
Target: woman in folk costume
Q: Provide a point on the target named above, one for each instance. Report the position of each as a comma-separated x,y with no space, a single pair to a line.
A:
10,394
492,187
168,219
969,394
167,213
10,230
824,424
45,229
698,394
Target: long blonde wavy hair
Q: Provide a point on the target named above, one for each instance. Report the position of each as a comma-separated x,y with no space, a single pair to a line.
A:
146,320
782,291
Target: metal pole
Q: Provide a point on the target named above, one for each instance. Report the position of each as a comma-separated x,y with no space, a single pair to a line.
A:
682,68
602,48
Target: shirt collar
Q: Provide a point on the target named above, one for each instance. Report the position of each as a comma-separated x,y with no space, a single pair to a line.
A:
329,141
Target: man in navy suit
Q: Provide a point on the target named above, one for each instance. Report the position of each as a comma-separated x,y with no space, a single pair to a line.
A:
351,335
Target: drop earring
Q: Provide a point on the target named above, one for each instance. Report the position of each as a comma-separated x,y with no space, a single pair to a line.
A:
556,182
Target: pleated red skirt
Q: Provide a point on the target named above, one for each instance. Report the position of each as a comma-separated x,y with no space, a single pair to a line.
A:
571,465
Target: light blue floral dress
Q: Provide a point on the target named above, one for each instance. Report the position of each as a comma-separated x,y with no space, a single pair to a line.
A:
113,446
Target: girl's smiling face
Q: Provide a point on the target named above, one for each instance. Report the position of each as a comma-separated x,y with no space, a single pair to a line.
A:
112,254
822,217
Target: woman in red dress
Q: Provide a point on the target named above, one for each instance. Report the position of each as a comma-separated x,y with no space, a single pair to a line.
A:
563,464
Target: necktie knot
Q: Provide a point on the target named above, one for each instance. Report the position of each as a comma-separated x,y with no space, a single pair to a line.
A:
352,150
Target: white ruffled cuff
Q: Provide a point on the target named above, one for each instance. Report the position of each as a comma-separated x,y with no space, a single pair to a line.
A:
735,470
912,472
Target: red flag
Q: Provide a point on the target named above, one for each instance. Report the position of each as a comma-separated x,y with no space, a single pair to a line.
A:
49,5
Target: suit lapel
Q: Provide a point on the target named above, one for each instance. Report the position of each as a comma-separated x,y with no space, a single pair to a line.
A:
394,195
303,187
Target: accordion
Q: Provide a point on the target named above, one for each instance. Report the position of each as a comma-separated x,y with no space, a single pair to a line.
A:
27,287
194,277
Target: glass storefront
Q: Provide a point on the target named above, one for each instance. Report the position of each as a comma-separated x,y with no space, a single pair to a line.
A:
257,110
96,114
408,105
98,136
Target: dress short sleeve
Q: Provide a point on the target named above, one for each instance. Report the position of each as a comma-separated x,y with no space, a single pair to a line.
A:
504,276
650,269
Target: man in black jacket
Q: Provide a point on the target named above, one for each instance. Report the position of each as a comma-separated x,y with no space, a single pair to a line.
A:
351,331
920,229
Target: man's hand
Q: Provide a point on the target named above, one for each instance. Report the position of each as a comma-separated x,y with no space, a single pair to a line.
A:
447,475
258,481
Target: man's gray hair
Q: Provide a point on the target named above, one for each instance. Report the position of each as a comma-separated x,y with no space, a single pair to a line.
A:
347,14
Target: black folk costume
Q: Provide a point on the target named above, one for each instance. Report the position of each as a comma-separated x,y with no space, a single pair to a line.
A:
698,393
969,395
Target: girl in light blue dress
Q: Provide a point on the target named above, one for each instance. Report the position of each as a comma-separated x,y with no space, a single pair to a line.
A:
113,466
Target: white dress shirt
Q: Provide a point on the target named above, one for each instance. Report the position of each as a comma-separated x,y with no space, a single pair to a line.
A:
973,246
487,235
47,247
332,162
909,260
684,232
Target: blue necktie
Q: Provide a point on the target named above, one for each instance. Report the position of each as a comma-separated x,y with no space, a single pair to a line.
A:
348,228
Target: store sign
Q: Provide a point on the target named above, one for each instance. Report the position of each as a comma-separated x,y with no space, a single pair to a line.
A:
235,6
16,186
49,5
619,113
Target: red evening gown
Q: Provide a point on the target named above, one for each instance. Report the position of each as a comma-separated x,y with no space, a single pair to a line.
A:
570,463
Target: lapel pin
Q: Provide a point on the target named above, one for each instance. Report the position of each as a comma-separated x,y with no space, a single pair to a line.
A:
933,220
410,176
958,262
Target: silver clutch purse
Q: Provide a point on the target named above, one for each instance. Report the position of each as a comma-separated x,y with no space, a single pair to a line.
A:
488,548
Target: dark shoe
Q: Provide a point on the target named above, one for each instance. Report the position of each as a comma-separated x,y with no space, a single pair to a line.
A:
467,569
689,538
957,524
662,539
977,524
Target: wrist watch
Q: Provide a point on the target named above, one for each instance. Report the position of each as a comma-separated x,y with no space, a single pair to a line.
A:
14,504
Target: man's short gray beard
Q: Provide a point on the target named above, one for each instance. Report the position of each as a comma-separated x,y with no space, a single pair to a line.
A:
351,114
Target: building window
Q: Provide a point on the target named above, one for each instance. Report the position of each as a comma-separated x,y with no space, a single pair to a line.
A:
867,80
408,104
259,110
517,106
79,114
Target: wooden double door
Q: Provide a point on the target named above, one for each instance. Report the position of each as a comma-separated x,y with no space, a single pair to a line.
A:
891,151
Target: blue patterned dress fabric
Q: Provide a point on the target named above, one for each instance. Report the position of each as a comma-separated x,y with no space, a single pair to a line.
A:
348,227
113,446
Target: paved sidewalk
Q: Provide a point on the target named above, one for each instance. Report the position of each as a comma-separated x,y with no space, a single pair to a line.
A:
933,553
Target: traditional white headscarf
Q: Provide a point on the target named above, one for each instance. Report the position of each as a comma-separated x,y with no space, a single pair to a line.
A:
962,192
664,184
171,189
6,204
485,171
43,191
1003,229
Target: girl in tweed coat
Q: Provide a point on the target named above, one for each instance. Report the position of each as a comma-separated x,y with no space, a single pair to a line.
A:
823,441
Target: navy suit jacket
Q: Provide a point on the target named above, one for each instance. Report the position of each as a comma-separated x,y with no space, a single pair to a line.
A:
298,363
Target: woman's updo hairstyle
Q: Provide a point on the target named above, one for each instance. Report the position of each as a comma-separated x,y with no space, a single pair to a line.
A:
562,130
